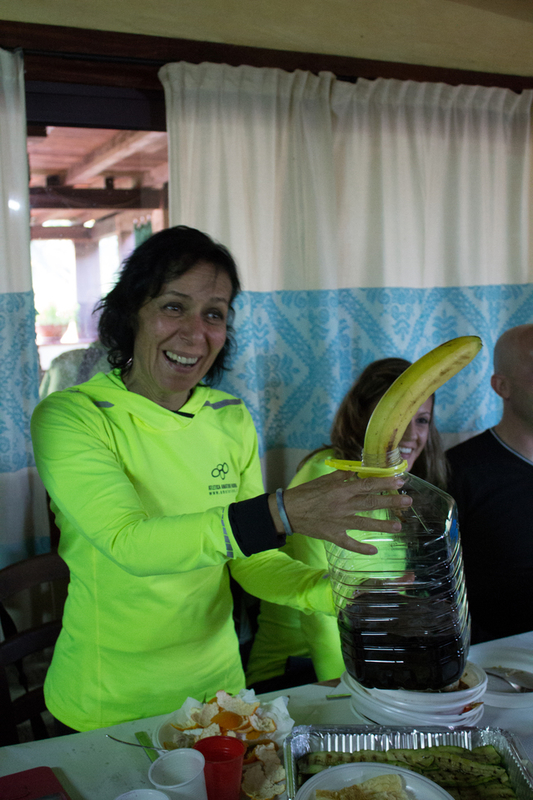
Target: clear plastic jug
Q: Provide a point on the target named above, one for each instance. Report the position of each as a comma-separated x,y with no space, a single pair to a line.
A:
403,613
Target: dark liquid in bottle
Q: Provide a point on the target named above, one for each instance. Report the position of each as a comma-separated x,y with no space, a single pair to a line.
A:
384,654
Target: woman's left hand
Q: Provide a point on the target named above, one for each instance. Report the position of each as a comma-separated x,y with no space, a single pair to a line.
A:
325,508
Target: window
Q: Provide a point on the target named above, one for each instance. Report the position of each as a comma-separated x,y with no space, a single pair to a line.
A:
94,194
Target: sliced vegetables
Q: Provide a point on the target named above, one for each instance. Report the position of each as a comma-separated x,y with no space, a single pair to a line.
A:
476,774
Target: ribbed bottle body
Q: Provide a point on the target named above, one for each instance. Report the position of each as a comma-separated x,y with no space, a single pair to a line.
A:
403,613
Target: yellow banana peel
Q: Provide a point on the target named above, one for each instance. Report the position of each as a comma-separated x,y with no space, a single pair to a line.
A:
411,389
401,401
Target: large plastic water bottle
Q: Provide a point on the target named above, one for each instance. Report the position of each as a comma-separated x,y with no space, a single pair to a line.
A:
403,613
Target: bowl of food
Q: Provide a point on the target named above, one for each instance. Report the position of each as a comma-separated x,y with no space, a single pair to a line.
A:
241,715
262,727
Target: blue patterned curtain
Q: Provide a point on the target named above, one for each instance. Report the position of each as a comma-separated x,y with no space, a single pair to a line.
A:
300,351
23,525
369,220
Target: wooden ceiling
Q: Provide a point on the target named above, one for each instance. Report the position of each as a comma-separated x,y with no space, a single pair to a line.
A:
91,173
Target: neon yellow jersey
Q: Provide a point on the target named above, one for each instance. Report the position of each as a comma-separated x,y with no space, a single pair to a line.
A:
141,496
285,631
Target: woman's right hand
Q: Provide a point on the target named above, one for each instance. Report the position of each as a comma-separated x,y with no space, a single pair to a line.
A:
325,508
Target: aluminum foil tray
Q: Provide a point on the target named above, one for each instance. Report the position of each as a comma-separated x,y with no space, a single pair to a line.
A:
349,738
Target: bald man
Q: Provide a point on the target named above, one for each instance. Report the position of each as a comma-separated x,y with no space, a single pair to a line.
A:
492,483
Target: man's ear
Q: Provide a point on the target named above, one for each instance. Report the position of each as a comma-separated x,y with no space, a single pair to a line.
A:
500,384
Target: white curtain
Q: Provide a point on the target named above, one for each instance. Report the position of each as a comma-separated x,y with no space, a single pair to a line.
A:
368,220
23,520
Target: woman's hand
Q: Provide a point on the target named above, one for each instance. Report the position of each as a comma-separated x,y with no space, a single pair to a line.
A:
327,507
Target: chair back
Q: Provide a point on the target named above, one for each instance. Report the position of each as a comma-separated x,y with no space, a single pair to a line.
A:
17,707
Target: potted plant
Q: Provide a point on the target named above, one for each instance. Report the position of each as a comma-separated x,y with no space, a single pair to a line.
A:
50,325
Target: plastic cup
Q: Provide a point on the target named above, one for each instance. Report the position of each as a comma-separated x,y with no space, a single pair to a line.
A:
180,774
143,794
224,756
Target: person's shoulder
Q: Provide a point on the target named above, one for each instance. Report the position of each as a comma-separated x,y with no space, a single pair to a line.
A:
217,398
320,456
60,407
69,357
73,367
475,444
219,405
98,383
314,467
84,394
61,373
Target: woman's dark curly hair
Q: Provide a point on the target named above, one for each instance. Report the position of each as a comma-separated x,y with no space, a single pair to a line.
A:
349,426
161,258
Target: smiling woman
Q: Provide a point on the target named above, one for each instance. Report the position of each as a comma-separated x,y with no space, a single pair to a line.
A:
174,279
180,334
156,486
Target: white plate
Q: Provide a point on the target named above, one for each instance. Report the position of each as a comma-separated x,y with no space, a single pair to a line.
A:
334,778
436,702
386,715
497,693
420,712
473,676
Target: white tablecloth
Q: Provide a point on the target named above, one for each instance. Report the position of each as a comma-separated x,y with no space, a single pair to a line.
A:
92,767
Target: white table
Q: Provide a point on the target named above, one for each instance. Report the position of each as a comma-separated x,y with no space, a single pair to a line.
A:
92,767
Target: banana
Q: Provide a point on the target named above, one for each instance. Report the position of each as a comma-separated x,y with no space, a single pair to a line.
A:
412,388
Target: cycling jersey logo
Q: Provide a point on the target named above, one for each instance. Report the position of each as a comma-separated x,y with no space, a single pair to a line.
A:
220,471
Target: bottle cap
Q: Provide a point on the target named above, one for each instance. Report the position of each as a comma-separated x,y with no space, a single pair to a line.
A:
367,472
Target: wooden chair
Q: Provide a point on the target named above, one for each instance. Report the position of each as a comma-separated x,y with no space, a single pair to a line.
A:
17,645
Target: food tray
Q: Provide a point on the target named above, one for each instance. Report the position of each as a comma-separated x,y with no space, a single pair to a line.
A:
350,738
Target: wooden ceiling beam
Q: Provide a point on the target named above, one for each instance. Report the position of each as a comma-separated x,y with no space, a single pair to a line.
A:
114,199
73,232
121,146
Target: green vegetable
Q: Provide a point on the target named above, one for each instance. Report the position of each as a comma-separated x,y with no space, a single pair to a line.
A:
476,774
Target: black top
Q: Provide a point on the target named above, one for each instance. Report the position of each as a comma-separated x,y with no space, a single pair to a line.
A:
493,487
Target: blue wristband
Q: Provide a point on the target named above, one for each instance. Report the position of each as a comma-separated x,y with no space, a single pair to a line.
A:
283,514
